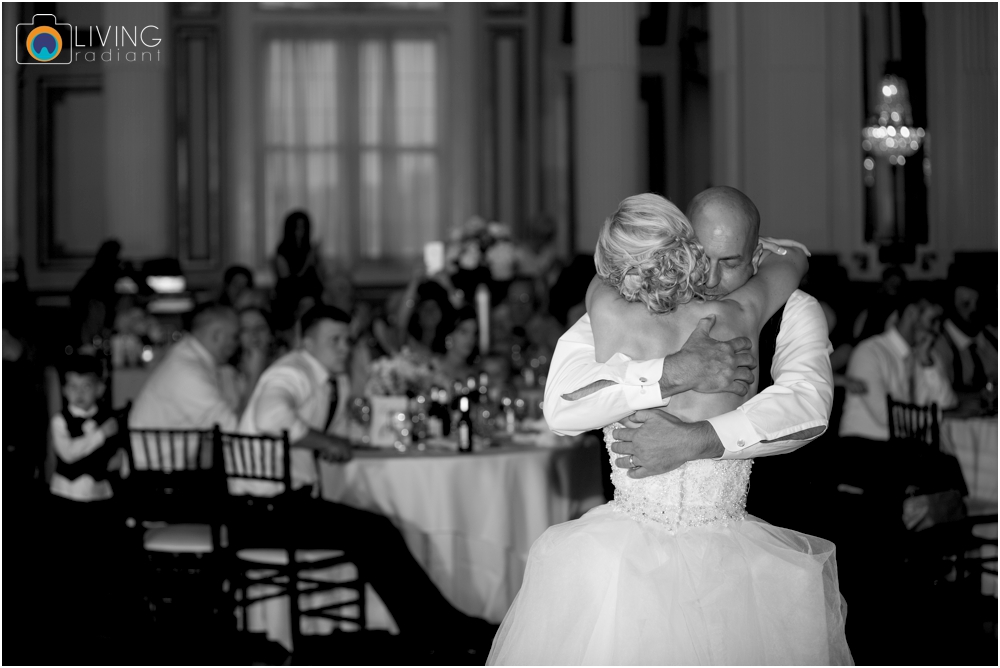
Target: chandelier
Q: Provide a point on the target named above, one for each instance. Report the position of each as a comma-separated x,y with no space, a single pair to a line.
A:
892,134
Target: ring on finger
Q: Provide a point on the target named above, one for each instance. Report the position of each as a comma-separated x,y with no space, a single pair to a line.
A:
631,462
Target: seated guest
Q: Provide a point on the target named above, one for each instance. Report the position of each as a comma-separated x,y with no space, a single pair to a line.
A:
900,363
967,347
430,316
306,393
235,282
256,351
460,346
881,313
184,391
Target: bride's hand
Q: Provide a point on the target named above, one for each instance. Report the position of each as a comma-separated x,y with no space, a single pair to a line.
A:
779,246
767,245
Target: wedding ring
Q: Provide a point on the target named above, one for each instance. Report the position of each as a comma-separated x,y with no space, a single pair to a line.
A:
631,463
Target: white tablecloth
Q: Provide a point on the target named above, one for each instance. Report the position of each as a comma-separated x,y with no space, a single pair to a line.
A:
973,441
468,519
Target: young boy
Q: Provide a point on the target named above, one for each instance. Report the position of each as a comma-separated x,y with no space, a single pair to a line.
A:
82,436
86,529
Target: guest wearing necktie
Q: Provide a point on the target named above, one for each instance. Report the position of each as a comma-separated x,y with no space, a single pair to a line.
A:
871,477
967,347
901,363
306,393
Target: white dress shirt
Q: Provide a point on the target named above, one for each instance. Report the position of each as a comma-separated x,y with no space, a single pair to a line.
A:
881,362
183,392
800,399
70,450
293,395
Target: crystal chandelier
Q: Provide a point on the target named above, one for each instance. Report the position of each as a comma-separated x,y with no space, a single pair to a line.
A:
892,134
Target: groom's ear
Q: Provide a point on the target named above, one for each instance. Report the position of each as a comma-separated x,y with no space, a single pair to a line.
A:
757,254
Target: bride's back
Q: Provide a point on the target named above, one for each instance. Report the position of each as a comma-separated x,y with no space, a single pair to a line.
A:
629,328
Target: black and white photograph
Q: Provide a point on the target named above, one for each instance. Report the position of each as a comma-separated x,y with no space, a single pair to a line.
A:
500,333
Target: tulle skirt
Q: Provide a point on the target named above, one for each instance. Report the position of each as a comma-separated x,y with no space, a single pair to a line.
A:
607,589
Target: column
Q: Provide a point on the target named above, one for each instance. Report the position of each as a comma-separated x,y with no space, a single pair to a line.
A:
240,225
606,111
11,248
137,121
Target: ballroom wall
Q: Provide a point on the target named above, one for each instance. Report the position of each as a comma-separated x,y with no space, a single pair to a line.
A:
783,109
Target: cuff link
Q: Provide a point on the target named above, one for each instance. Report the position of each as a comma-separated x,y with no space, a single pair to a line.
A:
741,443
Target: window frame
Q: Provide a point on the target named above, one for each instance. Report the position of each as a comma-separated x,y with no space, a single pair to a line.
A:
350,29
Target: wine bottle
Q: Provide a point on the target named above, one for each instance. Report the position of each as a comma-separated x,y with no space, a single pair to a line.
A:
464,425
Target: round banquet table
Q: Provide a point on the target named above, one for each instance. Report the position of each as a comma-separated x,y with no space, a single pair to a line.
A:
470,519
973,442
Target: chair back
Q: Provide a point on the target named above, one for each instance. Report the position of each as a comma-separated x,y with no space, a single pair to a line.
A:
172,477
257,458
914,424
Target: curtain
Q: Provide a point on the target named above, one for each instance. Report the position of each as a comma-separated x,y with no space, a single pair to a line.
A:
372,192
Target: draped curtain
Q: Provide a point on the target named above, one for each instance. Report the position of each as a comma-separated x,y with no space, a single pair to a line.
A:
351,135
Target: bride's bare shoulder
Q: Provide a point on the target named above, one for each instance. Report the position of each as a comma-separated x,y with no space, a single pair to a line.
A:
731,319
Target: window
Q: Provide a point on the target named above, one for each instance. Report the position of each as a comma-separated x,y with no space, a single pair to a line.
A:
352,135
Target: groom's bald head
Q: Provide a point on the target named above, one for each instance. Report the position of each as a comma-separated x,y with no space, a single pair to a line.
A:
731,199
726,223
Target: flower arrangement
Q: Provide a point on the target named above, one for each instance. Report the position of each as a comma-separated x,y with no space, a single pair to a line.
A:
404,373
481,245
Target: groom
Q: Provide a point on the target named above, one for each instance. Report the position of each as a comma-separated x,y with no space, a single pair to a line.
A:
582,394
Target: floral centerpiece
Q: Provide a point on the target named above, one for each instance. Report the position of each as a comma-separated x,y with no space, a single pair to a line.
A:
391,381
403,374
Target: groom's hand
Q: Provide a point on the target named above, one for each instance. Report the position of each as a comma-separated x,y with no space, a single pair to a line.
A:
659,442
706,365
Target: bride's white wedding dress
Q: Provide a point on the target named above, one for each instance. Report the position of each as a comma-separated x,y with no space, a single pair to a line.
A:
673,571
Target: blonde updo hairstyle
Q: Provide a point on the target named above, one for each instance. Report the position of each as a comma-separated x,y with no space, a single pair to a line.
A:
648,252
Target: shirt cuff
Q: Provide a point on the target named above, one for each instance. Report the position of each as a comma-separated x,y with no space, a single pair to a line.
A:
641,384
735,431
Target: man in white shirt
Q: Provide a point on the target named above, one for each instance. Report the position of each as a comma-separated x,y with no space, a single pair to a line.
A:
902,364
582,394
183,391
306,393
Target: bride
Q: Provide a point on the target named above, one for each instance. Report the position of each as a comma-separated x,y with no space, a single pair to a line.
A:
673,571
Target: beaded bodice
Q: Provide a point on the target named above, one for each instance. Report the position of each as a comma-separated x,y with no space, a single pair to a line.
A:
699,493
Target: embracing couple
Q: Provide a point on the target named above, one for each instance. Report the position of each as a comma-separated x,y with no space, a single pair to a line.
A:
673,571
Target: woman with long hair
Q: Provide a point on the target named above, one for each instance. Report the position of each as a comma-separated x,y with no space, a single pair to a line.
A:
298,267
458,361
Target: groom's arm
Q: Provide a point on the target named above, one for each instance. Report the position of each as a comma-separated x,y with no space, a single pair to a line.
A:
582,394
782,418
796,409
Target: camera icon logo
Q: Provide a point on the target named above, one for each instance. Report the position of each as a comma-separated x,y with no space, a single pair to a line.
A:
44,41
